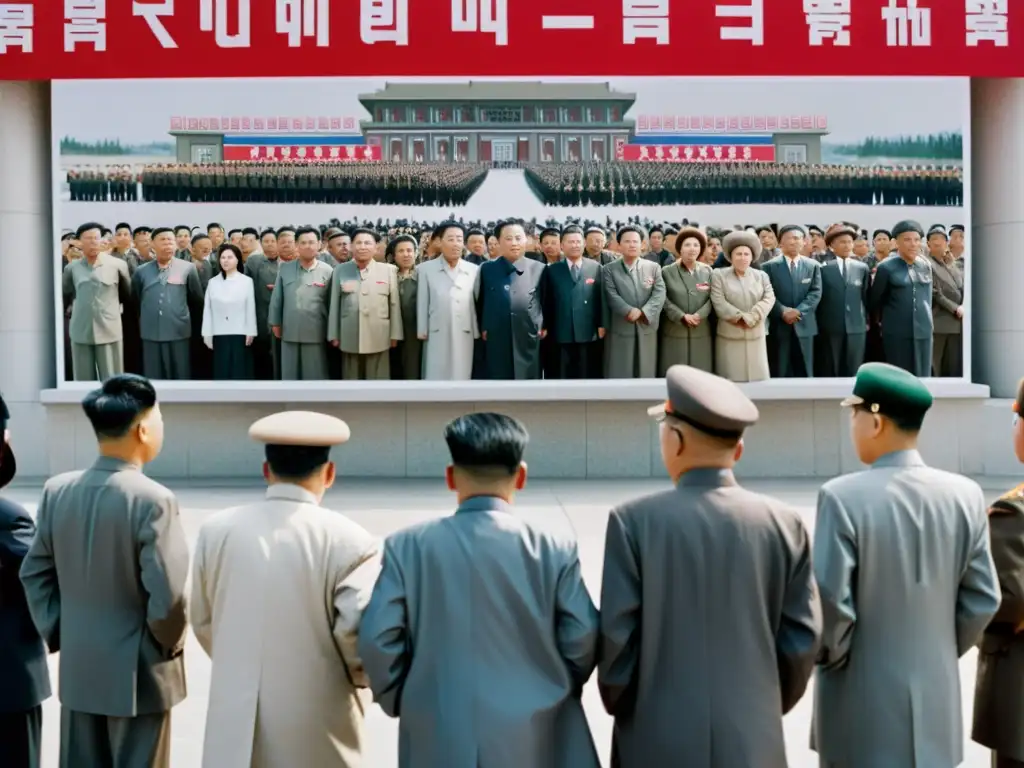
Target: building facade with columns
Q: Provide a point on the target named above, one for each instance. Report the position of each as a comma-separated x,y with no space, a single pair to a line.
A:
593,430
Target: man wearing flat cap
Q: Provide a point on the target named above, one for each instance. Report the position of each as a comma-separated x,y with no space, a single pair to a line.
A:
902,559
710,619
796,280
480,634
278,590
901,295
843,312
634,294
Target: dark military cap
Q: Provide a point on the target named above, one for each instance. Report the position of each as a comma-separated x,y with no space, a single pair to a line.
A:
889,391
792,228
956,228
814,230
937,229
907,225
333,232
708,403
862,235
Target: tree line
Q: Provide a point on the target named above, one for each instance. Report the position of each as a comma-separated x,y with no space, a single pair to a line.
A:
934,146
109,147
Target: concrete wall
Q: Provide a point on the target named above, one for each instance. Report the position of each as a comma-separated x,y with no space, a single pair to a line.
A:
810,140
596,435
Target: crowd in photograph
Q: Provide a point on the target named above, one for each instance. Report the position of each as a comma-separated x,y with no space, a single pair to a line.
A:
510,300
555,184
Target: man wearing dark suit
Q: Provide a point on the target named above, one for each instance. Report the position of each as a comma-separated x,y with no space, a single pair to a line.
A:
999,689
796,280
508,304
901,296
23,670
842,313
572,292
480,633
105,584
702,676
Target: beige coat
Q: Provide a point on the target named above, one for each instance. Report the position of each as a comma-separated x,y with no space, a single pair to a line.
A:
740,352
278,590
366,313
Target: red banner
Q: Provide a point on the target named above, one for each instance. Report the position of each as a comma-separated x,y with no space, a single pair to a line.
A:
732,124
348,153
394,38
710,153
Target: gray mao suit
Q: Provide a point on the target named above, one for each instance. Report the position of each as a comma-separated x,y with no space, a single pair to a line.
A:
480,636
902,559
710,624
95,294
167,299
901,294
631,349
300,305
105,584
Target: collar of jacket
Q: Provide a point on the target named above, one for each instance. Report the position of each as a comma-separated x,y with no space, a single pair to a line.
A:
910,458
484,504
113,464
511,267
707,477
290,492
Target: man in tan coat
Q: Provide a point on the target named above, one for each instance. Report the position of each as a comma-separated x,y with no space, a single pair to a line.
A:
365,319
278,590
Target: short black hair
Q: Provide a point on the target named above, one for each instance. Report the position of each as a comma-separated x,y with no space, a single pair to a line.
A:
233,231
476,231
296,462
250,231
214,225
503,225
442,229
117,404
88,227
486,442
266,232
909,423
282,230
123,225
235,250
200,236
307,231
572,229
182,227
141,231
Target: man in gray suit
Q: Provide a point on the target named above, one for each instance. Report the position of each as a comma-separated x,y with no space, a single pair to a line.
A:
796,281
710,620
480,633
168,293
843,311
105,584
634,294
902,559
95,288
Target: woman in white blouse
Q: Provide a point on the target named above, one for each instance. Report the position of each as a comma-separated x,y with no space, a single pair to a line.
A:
742,297
229,317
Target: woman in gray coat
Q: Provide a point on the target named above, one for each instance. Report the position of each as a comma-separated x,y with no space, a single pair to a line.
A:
686,337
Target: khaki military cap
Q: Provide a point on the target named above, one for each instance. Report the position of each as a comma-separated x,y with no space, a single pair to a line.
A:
706,402
301,428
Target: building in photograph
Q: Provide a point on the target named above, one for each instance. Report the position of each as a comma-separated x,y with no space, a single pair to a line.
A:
497,121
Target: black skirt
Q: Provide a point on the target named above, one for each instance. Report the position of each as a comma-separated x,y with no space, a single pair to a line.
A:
232,359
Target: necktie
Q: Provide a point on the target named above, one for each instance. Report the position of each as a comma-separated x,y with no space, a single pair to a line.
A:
575,273
842,267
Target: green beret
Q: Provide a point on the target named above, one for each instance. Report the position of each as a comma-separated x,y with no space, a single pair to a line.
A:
890,391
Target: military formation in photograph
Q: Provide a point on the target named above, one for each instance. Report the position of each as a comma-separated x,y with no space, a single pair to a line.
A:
511,300
555,184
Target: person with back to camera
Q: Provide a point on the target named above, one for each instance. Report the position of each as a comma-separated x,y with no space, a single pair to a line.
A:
23,669
710,619
105,582
902,559
278,587
999,689
481,634
229,317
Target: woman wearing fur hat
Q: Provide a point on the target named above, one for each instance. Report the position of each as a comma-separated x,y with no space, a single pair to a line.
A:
686,337
742,298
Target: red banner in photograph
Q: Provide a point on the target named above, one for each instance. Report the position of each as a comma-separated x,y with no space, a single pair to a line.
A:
708,153
396,38
348,153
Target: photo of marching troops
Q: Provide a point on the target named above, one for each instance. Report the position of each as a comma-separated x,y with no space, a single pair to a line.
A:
554,184
478,632
511,300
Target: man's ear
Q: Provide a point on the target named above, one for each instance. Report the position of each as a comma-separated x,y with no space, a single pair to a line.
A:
449,477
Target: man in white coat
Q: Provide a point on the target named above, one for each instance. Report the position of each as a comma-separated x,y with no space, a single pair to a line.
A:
445,309
278,590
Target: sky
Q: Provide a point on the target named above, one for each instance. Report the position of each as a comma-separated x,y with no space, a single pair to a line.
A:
140,111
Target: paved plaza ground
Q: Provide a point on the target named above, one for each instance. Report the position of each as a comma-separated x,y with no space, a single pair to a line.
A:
385,506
